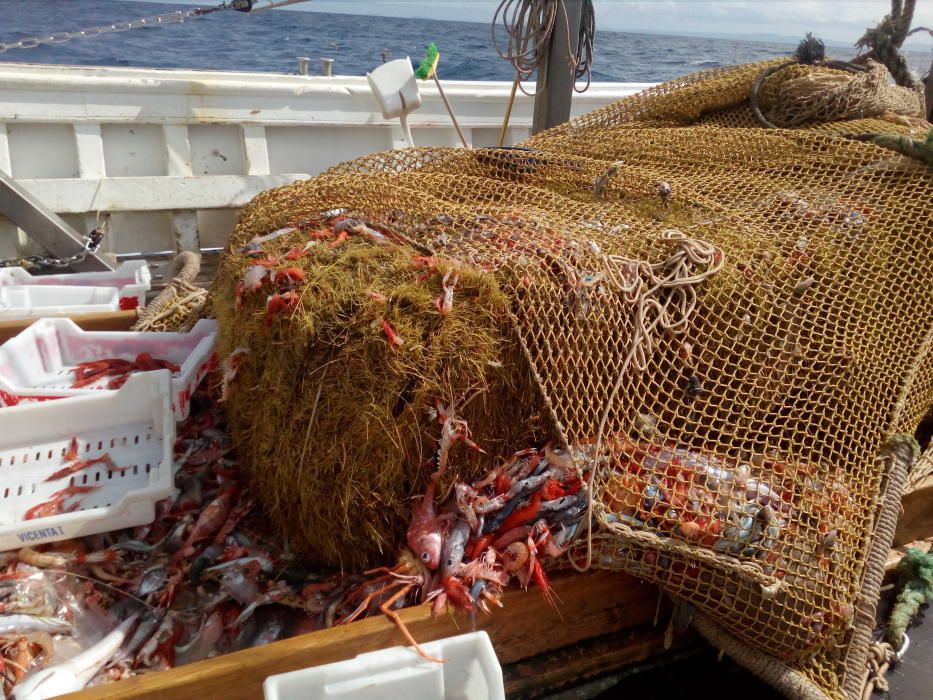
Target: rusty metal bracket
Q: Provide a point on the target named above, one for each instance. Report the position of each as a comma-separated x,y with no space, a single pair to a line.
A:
46,227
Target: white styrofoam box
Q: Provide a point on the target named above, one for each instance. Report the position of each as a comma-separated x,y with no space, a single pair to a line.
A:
38,364
27,301
134,426
470,671
132,280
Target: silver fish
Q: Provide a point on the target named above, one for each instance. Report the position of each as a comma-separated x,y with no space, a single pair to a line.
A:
454,544
23,624
526,486
273,629
153,580
72,675
558,504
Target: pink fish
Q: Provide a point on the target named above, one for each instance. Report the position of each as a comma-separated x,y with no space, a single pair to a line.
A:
425,534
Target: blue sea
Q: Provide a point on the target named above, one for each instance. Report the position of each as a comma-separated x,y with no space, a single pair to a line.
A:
270,41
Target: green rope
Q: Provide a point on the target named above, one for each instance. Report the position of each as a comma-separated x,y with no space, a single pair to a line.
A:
915,577
921,150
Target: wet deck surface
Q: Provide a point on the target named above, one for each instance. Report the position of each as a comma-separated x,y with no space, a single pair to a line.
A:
699,673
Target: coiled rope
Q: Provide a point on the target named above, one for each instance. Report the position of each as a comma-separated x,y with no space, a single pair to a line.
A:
666,297
529,24
180,303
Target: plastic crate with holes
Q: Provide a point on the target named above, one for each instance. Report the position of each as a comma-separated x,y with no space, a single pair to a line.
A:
41,363
90,464
131,280
18,302
470,671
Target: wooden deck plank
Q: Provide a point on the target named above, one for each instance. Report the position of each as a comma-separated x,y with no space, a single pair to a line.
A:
916,521
104,321
578,663
593,605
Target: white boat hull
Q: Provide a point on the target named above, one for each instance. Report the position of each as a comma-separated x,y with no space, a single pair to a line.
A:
173,154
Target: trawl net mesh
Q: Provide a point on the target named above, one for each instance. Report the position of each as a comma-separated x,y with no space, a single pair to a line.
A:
730,320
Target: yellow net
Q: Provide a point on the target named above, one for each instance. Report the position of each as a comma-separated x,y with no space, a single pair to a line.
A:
732,319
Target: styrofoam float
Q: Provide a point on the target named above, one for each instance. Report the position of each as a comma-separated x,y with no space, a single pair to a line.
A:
38,364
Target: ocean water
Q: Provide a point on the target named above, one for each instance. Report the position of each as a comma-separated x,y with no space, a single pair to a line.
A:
270,41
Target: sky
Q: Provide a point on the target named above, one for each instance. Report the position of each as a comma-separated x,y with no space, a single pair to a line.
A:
838,21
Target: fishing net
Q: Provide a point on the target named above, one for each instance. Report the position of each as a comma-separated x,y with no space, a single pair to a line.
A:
731,323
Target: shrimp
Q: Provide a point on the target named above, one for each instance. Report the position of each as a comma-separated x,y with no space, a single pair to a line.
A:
211,519
290,276
82,464
61,560
56,502
71,454
278,303
453,430
445,302
457,593
393,337
230,367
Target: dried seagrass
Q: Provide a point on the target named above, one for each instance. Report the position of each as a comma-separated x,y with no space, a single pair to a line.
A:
738,317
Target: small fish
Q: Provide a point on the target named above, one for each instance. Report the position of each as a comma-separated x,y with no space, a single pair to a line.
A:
424,535
527,486
452,550
253,247
24,624
204,642
144,630
575,511
136,546
240,587
206,559
153,580
558,504
493,524
273,630
72,675
265,564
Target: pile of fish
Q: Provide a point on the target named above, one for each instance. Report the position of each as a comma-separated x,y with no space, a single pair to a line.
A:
700,498
463,552
208,576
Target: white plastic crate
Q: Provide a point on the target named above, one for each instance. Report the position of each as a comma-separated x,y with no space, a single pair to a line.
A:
133,425
19,302
471,671
132,280
38,364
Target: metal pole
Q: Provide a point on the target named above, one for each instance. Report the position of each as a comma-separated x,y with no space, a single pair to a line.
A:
303,62
555,77
327,67
44,226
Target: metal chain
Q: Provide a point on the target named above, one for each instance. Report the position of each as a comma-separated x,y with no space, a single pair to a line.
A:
167,18
91,243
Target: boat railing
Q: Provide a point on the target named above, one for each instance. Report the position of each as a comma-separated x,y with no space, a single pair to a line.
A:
171,155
